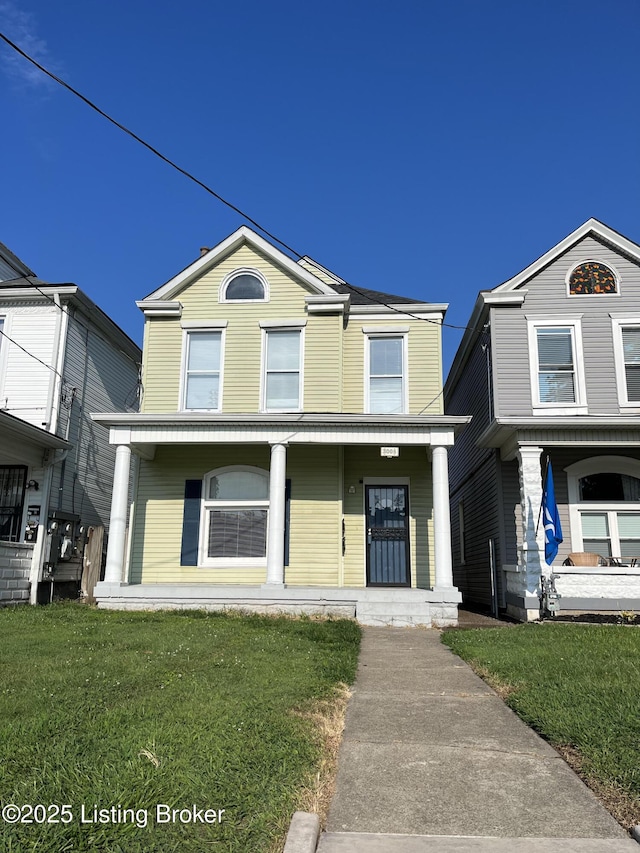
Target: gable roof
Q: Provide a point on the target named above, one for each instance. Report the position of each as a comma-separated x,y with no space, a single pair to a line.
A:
242,236
512,291
11,267
592,227
318,279
359,295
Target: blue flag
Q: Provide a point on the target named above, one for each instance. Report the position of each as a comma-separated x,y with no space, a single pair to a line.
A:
550,519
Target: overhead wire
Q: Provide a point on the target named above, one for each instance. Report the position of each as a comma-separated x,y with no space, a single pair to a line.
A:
208,189
369,295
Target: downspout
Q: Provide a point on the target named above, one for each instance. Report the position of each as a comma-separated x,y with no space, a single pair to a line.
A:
38,556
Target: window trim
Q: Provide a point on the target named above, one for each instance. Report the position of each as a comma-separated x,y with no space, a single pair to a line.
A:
375,334
189,329
267,328
568,321
618,323
598,465
207,504
579,263
226,281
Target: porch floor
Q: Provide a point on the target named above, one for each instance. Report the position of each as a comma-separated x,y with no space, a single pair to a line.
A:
400,607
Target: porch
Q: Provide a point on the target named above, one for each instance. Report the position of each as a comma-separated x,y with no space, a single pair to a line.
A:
400,608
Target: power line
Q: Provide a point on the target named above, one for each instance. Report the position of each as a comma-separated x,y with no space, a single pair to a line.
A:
207,188
43,363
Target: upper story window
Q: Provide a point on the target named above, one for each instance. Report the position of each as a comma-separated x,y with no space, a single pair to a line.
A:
626,346
592,277
556,365
201,380
244,285
282,369
386,374
557,370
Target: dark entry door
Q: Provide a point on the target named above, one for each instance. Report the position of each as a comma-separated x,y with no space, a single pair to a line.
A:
387,522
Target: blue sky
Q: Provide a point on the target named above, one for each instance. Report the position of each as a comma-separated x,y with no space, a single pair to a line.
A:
423,148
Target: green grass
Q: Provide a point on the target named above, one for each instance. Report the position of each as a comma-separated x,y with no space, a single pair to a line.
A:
134,709
579,686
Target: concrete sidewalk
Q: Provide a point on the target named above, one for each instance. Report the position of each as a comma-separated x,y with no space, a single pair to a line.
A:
431,752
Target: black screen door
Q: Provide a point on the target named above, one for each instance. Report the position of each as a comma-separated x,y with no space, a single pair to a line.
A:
387,526
12,486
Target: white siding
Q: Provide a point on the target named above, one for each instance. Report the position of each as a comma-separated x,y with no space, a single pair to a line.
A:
25,382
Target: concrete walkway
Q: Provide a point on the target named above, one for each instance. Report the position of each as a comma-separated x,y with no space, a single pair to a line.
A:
432,760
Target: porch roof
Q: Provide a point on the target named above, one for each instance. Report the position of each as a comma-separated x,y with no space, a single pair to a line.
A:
144,431
584,430
23,443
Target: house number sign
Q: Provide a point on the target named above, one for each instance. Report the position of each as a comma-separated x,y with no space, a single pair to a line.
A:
390,452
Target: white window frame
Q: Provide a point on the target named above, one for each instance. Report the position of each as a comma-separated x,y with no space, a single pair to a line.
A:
561,321
575,266
599,465
281,326
373,334
618,323
207,504
226,281
188,329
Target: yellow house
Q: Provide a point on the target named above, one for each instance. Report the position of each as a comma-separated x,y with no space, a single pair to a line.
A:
291,446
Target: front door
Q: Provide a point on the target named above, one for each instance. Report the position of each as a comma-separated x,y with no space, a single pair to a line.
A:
387,525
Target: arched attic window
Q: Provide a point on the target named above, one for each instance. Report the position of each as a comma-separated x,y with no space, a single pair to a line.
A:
592,277
244,285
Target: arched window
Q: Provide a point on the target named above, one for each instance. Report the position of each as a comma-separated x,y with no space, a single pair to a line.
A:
235,508
592,277
244,285
604,506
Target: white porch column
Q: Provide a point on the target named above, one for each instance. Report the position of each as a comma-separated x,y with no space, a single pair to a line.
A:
441,518
275,530
530,476
119,515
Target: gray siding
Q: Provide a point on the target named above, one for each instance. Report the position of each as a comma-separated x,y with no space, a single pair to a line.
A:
104,379
546,294
473,479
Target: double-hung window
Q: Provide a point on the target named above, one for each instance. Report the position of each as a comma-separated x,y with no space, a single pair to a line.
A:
557,371
386,374
282,369
626,343
201,381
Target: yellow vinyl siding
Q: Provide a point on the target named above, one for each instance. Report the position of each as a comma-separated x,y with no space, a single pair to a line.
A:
425,369
161,365
159,510
315,539
322,363
365,463
424,364
243,338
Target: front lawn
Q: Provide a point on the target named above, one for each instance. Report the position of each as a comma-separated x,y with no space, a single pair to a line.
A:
579,686
113,713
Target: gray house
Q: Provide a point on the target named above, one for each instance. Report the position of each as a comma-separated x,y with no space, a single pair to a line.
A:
61,357
550,370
